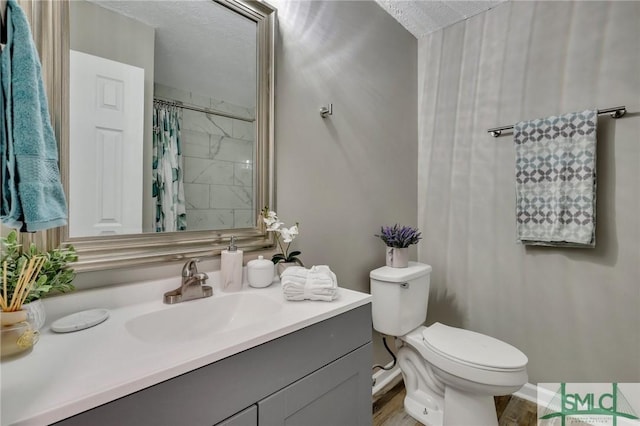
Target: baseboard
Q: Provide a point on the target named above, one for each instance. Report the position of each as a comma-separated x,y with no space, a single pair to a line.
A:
545,398
528,392
383,378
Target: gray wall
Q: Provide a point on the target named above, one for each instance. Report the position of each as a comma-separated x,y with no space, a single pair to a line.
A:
344,176
574,312
101,32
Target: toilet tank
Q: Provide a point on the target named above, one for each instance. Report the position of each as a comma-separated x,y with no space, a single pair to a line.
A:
400,297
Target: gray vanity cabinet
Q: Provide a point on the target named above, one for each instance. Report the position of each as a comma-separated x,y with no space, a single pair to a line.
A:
247,417
328,396
319,375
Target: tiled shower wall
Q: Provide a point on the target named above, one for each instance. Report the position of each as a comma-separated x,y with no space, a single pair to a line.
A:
218,155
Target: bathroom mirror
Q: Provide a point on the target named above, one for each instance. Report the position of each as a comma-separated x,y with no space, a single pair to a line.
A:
210,67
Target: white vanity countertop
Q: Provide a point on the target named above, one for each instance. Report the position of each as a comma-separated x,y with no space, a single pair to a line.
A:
69,373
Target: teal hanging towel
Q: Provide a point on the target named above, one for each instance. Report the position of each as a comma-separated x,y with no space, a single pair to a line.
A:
32,195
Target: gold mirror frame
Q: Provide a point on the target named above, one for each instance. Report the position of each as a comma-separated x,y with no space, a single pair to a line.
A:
50,23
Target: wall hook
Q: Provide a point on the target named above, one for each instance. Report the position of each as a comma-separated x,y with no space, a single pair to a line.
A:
326,110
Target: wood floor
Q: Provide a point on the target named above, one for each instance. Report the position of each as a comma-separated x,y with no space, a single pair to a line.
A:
388,410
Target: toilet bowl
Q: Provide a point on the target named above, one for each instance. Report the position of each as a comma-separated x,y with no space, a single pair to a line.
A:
451,375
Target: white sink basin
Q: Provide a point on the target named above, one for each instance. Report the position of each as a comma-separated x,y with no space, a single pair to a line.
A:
202,318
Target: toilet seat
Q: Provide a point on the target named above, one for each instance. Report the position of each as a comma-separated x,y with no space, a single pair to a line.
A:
473,349
455,354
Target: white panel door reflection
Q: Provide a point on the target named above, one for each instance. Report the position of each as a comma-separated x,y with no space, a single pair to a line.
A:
106,116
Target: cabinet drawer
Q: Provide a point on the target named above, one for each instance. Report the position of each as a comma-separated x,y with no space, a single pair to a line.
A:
337,394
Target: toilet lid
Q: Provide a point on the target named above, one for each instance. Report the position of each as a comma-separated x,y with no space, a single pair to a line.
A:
400,275
473,348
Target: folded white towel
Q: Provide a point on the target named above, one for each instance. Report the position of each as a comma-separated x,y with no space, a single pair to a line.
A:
317,283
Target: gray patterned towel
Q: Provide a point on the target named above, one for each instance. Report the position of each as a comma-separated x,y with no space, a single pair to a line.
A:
556,180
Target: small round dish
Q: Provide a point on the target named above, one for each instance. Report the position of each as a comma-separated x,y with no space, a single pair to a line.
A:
80,320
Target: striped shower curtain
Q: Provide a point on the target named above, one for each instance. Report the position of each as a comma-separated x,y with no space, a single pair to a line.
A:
168,182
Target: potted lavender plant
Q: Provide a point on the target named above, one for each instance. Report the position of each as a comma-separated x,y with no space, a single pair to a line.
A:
398,239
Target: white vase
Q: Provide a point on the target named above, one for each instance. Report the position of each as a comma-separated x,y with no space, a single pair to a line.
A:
281,266
398,257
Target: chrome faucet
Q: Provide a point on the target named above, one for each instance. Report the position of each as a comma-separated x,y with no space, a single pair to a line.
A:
192,286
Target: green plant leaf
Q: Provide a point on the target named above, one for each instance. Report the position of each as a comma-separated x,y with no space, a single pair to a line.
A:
55,276
12,238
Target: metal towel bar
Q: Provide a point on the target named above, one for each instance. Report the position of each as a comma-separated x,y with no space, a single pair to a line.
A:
616,112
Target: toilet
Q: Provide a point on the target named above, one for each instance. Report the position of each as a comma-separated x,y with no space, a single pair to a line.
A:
451,375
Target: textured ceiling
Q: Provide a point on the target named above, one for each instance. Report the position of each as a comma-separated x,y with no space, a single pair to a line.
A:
200,46
423,17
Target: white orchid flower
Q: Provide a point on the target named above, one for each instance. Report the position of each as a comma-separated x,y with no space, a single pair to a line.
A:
288,234
284,236
271,220
274,226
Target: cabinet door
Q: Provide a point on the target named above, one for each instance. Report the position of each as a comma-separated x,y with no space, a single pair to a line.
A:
248,417
338,394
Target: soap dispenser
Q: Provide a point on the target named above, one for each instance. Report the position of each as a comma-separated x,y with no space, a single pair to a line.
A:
231,268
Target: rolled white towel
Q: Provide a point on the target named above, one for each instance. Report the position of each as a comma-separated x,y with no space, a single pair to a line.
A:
317,283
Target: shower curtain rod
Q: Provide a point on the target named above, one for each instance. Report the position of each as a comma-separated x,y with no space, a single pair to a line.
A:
616,112
180,104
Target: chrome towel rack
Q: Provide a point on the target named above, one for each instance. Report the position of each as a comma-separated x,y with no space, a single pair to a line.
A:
616,112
